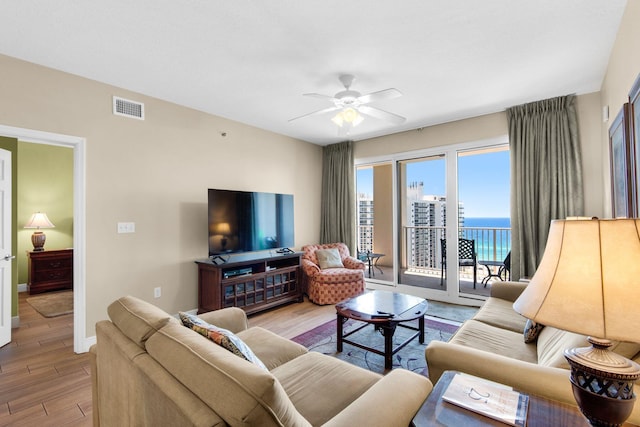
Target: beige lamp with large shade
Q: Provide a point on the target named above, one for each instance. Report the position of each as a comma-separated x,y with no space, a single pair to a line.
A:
38,220
588,282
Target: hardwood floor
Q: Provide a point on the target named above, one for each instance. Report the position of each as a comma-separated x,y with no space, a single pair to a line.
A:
293,319
43,382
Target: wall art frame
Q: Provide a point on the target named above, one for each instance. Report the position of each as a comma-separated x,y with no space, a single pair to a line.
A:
622,185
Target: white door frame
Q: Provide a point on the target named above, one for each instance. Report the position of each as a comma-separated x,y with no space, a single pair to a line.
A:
80,343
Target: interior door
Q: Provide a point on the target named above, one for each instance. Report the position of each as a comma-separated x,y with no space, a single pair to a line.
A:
5,247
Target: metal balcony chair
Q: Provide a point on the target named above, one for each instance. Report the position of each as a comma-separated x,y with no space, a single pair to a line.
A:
467,257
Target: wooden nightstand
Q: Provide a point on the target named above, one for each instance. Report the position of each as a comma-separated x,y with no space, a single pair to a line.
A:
50,270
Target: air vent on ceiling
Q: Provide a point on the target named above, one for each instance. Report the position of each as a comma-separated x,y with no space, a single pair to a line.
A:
128,108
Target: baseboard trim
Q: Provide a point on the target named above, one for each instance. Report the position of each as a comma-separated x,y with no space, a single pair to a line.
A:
15,322
22,287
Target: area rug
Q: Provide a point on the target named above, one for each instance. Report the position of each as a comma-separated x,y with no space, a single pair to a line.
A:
323,340
52,304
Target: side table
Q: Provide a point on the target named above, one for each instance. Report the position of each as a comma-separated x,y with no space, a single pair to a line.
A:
542,412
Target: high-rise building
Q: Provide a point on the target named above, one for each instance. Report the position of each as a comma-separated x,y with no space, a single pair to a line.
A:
427,217
365,223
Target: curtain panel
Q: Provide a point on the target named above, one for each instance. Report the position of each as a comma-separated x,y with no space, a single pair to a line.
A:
337,221
546,176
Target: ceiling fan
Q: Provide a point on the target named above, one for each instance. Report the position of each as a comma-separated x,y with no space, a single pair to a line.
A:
352,105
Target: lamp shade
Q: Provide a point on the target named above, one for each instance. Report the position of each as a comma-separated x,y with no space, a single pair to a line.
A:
588,280
223,228
39,220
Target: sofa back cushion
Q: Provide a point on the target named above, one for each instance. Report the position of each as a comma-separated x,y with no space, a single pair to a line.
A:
551,345
236,389
137,319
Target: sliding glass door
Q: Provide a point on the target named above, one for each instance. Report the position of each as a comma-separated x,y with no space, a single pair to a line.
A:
422,222
436,223
484,225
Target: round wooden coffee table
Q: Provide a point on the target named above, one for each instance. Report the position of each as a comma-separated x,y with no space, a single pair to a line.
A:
386,311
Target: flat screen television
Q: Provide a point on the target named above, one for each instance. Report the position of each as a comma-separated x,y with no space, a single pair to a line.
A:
244,221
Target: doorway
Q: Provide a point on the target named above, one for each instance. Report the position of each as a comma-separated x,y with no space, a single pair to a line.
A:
81,343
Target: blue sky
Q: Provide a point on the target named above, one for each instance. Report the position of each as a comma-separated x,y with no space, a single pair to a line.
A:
483,182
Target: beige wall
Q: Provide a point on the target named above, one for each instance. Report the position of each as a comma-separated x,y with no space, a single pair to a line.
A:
623,68
493,126
155,173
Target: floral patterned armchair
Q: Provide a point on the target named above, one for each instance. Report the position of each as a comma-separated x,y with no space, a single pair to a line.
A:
327,282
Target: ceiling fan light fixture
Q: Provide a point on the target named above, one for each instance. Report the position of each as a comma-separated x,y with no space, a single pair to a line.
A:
348,115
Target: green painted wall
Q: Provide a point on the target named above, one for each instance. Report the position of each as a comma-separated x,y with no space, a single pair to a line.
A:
11,144
45,184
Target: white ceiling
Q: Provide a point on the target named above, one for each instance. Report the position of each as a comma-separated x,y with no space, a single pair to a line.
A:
251,61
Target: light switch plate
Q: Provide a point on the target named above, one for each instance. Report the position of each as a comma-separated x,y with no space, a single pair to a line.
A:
126,227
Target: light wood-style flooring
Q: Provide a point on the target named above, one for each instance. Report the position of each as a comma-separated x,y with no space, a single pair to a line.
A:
44,383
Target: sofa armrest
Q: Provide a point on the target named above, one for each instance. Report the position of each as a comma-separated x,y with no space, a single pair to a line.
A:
509,291
353,263
309,268
231,318
402,390
552,383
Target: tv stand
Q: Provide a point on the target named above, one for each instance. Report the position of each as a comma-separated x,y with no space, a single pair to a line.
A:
253,281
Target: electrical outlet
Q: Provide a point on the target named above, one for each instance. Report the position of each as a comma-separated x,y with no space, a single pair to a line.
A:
126,227
157,292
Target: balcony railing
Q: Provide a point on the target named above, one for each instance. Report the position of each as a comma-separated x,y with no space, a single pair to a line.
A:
422,247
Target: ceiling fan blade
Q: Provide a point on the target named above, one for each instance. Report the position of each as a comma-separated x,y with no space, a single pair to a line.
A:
316,113
381,114
319,95
381,95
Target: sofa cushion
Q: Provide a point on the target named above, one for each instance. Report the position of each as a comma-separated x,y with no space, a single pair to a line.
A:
239,391
272,349
630,350
224,338
495,340
137,319
329,258
311,382
531,331
500,313
551,345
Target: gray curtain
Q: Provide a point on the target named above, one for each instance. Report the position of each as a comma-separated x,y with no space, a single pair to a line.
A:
546,176
337,222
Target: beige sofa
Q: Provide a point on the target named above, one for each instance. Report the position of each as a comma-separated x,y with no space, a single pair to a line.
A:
149,370
491,345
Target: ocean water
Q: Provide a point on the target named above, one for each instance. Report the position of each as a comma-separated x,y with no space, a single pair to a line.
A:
489,245
488,222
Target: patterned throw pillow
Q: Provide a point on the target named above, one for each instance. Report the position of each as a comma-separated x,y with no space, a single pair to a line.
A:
531,331
222,337
329,258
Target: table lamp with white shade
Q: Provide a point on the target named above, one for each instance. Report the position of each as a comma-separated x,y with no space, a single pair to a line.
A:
588,282
38,220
